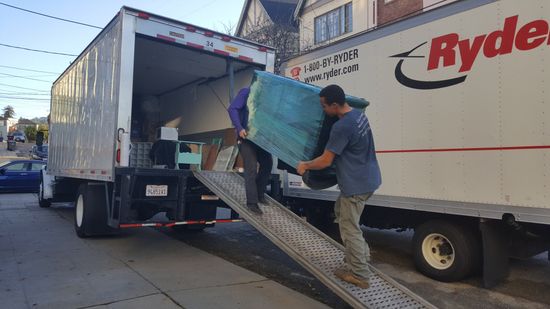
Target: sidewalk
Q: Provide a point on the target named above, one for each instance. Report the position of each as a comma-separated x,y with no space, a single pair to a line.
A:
43,264
22,148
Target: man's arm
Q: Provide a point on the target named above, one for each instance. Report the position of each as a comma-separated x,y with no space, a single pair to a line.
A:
234,110
319,163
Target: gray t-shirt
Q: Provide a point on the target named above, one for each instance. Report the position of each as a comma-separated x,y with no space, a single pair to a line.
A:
351,140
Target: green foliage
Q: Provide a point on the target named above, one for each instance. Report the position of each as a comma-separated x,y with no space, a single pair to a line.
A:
8,111
30,132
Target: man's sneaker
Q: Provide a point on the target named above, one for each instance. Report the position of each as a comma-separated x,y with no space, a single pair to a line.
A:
254,208
348,276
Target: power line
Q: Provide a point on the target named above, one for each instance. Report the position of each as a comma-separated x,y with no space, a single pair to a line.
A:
38,50
21,69
202,7
29,78
33,76
50,16
22,87
23,93
11,91
14,98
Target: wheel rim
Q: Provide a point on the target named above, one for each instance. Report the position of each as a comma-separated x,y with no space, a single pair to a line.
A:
79,210
438,251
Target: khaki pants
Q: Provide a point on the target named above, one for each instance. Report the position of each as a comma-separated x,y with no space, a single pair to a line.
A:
348,210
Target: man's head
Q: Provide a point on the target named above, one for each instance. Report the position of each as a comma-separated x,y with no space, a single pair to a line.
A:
332,99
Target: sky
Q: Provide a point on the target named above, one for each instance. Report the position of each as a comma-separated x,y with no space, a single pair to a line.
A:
28,91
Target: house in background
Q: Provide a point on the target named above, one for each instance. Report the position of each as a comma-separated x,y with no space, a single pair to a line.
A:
325,21
260,13
6,125
271,22
23,123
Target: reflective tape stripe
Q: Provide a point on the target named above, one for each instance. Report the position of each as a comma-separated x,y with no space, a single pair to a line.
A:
191,222
245,58
195,45
221,52
143,15
167,38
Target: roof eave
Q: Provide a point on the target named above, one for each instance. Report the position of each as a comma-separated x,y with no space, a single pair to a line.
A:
298,9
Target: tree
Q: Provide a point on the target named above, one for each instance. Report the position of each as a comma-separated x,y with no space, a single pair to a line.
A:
226,27
8,111
30,132
283,37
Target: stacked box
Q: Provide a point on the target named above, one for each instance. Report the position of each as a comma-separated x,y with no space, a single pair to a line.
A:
139,155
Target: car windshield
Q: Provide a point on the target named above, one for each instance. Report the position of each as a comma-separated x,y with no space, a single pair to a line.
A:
4,163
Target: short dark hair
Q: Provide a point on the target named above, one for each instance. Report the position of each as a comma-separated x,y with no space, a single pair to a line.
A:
333,94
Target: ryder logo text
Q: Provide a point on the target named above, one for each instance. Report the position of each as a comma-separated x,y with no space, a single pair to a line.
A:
445,50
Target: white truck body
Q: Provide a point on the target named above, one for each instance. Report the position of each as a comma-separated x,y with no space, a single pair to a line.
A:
460,108
140,55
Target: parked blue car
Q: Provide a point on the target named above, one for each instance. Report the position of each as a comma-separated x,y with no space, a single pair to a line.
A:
20,175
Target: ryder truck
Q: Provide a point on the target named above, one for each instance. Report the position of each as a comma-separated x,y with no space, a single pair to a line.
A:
460,111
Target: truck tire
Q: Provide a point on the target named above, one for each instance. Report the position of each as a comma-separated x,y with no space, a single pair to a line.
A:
90,216
446,251
41,201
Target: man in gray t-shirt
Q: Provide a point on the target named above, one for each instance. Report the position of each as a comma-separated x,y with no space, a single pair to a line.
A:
351,147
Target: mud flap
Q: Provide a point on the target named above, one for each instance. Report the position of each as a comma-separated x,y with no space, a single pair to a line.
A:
495,253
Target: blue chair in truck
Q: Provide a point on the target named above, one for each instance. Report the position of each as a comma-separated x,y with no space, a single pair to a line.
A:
191,158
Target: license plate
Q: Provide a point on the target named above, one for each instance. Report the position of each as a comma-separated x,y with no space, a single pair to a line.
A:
154,190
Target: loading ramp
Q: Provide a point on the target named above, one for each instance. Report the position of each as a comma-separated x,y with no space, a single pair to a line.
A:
311,248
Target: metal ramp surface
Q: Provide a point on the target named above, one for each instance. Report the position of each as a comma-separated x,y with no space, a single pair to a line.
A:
314,250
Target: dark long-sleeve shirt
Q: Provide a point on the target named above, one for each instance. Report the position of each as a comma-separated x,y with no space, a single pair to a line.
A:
238,111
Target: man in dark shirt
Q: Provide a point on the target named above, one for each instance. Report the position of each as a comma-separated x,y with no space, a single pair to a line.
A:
255,180
351,147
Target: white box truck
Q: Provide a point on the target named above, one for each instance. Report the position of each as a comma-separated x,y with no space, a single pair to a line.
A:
142,72
460,111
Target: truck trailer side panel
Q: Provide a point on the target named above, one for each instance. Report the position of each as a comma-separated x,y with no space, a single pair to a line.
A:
83,110
459,104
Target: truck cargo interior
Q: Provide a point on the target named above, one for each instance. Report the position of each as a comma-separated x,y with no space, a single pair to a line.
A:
184,88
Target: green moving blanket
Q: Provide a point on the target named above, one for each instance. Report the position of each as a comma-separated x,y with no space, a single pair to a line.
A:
286,118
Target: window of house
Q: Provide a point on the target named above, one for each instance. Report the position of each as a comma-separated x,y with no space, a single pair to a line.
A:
334,23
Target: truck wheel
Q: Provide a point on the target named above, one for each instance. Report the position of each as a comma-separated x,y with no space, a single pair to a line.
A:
90,216
446,251
41,201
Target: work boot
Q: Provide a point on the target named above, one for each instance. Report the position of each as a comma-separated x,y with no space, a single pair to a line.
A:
254,208
348,276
